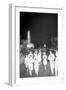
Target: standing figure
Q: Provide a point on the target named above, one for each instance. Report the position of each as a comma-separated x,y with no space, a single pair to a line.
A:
30,66
44,59
39,57
26,62
56,64
51,58
36,64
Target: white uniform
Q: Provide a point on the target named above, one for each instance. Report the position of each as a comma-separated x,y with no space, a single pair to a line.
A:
30,66
27,62
44,60
51,58
36,64
36,67
39,57
56,65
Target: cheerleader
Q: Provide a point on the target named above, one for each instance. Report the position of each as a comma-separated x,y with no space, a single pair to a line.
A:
36,64
56,64
44,60
30,64
51,58
39,57
26,61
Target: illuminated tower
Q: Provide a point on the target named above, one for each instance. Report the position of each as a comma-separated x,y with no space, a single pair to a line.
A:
28,37
29,44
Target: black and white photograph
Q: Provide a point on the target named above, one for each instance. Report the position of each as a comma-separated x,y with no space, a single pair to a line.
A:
38,45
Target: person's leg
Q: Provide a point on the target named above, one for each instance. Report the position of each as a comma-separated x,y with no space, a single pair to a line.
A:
51,65
44,64
56,70
30,72
36,69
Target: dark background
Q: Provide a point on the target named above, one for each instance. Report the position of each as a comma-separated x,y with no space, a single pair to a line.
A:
43,26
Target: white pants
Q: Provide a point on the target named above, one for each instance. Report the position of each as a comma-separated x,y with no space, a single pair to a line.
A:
56,68
45,63
52,65
36,67
30,68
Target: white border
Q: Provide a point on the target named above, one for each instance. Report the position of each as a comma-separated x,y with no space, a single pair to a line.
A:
15,58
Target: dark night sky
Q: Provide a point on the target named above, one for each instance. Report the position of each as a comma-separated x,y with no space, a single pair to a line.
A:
42,26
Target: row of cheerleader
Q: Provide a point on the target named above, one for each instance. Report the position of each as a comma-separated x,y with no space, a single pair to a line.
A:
32,61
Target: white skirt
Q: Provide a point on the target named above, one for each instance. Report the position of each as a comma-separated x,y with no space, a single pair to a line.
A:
30,66
52,64
45,62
